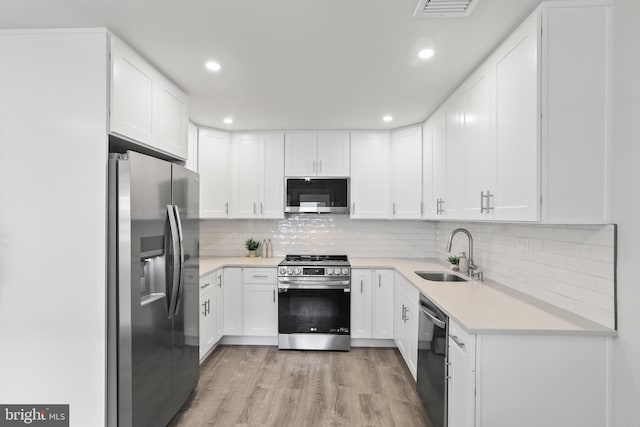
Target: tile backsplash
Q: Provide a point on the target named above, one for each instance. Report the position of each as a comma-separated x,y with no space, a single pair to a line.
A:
571,267
321,234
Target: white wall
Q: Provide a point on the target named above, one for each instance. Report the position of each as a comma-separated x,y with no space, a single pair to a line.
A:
321,234
626,211
53,154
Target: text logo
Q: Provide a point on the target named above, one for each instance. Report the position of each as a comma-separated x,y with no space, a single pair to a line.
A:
34,415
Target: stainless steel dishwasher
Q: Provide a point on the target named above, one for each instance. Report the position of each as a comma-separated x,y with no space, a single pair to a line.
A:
432,362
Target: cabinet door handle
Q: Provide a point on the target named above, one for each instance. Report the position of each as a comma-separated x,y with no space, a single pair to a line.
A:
489,201
394,209
255,209
361,291
320,166
226,208
274,296
482,196
314,166
353,208
219,278
379,280
421,208
261,209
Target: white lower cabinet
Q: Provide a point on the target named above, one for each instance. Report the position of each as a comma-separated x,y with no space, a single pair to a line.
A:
207,316
232,296
211,310
503,380
218,306
372,293
406,322
461,378
259,302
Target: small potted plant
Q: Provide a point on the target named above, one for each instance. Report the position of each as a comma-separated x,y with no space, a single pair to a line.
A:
251,246
454,262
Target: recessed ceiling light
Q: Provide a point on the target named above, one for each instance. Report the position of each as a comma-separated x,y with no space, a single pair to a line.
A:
228,120
213,66
387,118
425,54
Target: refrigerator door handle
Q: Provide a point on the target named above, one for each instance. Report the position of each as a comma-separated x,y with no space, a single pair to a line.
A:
175,245
181,245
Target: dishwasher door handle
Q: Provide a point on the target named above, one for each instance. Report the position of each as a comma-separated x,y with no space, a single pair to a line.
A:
439,323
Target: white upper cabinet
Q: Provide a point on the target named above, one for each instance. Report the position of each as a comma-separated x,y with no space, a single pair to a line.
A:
145,107
517,125
406,173
245,180
370,175
173,119
317,154
435,145
455,164
272,175
301,153
257,181
535,109
575,102
333,153
479,176
133,95
214,156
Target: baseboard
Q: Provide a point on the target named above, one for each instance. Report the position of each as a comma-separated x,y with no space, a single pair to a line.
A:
368,342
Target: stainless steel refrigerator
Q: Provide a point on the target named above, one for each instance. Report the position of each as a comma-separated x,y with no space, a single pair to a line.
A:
153,302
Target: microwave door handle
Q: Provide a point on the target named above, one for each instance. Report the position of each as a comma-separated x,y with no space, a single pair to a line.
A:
175,262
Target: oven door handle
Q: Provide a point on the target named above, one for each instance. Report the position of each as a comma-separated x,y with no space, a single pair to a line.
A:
313,284
283,287
439,323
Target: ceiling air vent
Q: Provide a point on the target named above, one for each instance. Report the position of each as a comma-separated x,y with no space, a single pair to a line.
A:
444,8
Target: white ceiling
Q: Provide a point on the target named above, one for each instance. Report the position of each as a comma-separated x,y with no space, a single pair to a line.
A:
294,64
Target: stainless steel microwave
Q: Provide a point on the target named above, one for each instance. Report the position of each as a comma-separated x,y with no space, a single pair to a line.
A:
317,195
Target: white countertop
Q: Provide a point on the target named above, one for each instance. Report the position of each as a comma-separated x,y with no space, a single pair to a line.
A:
480,307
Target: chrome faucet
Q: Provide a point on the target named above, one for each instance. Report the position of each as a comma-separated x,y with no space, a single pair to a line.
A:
472,266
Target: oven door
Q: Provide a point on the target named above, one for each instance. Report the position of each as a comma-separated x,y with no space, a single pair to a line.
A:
322,311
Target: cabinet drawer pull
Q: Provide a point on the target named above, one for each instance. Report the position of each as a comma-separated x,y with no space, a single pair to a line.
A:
456,340
206,285
259,276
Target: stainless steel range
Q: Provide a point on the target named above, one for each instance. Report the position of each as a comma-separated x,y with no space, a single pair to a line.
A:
314,302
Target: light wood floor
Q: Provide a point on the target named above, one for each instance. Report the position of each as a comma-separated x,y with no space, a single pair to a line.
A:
262,386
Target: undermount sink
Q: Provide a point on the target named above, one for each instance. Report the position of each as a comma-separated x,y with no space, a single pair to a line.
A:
438,276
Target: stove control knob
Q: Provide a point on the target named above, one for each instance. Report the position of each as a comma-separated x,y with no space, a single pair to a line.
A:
329,271
345,271
289,270
283,271
297,270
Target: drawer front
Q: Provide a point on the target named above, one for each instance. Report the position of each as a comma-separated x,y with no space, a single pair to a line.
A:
206,282
266,276
463,343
